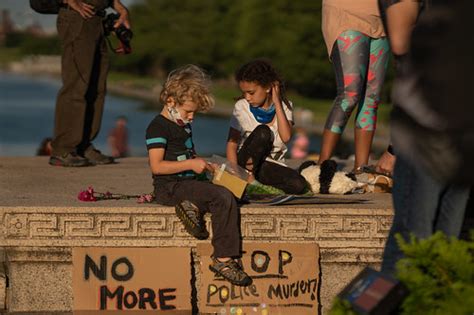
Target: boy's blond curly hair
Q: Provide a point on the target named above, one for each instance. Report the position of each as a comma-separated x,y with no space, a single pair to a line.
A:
187,82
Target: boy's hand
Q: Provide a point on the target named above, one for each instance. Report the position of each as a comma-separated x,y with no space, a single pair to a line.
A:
198,165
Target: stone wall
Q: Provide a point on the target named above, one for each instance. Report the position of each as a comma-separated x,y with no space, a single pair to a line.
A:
38,240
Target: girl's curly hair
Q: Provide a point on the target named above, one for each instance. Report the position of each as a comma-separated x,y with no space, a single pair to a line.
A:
186,82
263,73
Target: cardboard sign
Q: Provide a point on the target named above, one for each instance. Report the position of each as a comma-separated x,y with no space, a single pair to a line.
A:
131,279
285,281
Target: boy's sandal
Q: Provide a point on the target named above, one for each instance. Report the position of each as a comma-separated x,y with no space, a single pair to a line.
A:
230,270
192,219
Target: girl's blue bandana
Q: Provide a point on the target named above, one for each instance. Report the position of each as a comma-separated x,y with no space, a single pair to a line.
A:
263,116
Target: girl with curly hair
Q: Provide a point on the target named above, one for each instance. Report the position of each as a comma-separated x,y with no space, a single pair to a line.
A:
260,127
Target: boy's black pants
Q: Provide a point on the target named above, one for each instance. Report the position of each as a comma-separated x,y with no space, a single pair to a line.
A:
217,200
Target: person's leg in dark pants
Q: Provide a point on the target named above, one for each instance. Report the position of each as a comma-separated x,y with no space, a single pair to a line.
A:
256,149
281,177
217,200
422,206
79,41
95,96
452,208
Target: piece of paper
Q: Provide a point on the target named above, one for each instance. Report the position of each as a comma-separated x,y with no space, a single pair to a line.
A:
231,182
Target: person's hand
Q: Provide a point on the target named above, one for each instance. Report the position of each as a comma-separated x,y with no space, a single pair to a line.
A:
385,164
123,12
198,165
251,178
212,167
84,9
276,93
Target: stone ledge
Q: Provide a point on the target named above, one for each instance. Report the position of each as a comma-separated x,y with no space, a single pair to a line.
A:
338,231
38,242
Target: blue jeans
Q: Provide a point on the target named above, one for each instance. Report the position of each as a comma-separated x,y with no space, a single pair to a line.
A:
422,206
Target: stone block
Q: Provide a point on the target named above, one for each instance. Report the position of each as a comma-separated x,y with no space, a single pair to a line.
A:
39,279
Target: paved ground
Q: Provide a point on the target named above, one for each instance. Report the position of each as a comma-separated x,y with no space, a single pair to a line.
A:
31,181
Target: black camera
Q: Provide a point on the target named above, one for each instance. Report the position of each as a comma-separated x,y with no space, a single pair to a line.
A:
124,35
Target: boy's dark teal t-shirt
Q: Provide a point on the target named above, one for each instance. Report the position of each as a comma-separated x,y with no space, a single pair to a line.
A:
177,142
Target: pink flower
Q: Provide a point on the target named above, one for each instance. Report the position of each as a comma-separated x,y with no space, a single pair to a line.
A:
146,198
87,195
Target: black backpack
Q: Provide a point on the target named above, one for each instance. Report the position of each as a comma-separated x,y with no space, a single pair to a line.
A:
46,6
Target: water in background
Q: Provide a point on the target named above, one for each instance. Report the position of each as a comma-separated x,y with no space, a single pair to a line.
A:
27,116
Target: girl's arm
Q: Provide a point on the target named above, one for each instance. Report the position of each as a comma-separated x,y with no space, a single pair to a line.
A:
284,127
232,145
159,166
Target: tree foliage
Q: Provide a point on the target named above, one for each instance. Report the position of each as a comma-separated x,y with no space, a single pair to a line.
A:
439,274
29,44
220,35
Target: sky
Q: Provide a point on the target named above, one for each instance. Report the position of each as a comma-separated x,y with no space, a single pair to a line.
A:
23,15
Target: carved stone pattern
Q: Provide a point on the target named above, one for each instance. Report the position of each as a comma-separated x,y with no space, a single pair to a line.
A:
150,226
87,226
316,227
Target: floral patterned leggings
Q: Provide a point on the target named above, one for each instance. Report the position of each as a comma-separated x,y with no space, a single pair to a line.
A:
360,63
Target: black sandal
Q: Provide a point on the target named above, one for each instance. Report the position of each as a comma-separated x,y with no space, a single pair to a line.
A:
192,219
231,270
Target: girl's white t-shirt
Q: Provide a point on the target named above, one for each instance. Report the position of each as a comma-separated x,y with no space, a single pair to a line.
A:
243,120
